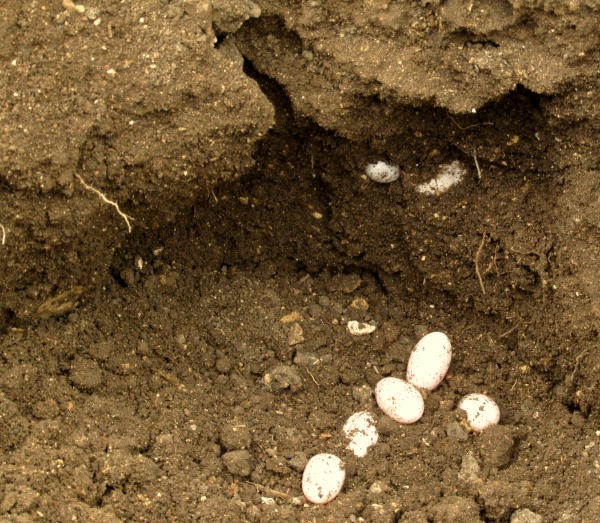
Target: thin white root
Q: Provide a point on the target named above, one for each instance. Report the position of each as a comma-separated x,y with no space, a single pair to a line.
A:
477,165
106,200
3,241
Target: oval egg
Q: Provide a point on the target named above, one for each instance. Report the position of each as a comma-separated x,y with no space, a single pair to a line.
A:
482,411
429,361
360,429
400,400
382,172
323,478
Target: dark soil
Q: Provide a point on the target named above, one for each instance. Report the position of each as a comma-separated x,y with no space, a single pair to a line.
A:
186,371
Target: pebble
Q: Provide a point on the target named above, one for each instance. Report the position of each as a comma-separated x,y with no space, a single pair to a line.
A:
85,374
306,359
380,512
283,377
298,461
429,361
362,393
469,468
360,429
524,515
235,436
223,365
46,409
323,478
387,425
400,400
238,462
496,445
414,516
482,411
456,431
296,334
455,509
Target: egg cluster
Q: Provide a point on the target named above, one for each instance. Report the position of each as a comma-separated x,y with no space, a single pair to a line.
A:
402,401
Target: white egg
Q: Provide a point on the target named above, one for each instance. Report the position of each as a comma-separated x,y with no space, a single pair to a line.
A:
400,400
482,411
360,429
323,478
382,172
429,361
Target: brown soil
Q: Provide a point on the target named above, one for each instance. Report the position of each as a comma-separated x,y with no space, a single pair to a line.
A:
187,370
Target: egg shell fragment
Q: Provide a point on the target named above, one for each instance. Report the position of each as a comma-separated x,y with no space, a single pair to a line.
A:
382,172
482,411
323,478
400,400
357,328
361,430
429,361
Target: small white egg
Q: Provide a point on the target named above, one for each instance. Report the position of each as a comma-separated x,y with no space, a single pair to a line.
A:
361,430
429,361
400,400
382,172
358,328
323,478
482,411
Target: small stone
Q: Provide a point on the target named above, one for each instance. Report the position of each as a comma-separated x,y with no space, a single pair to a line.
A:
496,444
360,304
315,310
306,359
85,374
298,461
456,431
128,277
469,468
283,377
379,489
291,317
384,513
363,394
414,516
296,334
324,301
143,348
421,331
92,13
524,515
238,462
400,349
456,509
102,351
46,409
387,426
223,365
347,283
235,436
372,376
18,499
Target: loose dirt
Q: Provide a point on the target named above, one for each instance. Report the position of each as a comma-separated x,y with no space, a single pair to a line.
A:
187,371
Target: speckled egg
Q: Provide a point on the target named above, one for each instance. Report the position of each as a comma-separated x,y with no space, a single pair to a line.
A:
361,430
482,411
323,478
429,361
382,172
400,400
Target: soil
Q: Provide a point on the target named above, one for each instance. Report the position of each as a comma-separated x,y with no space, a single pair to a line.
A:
187,230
